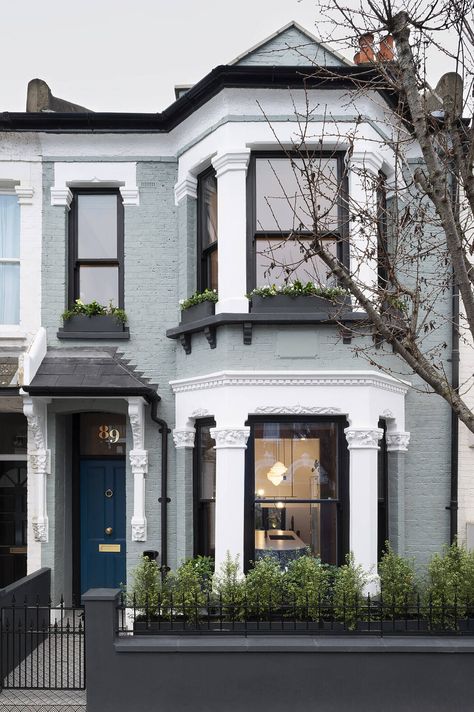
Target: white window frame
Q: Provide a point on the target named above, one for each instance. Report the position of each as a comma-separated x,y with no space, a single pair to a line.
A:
13,261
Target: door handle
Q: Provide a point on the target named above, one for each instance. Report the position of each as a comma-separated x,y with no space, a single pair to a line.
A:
108,531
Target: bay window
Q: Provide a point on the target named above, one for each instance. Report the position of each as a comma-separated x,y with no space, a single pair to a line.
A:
290,200
204,490
9,259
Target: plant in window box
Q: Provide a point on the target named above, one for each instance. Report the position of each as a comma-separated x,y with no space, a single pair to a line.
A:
198,306
93,317
297,298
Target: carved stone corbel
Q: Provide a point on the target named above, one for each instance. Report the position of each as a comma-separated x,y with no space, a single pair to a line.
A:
138,457
39,464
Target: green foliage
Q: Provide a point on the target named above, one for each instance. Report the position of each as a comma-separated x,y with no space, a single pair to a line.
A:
229,587
94,309
188,588
306,583
449,591
145,591
209,295
263,587
349,582
397,581
297,288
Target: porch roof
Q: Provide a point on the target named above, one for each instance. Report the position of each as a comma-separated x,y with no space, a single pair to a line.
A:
89,372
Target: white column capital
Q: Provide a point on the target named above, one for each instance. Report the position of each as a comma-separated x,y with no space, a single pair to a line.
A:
25,194
397,441
40,461
231,161
139,461
363,438
366,161
183,438
229,438
61,196
185,188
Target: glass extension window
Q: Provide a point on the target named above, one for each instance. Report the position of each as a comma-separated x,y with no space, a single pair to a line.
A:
207,230
297,485
204,490
96,247
9,259
288,194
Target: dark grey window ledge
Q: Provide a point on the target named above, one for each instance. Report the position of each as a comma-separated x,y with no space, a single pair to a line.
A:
102,335
210,324
293,644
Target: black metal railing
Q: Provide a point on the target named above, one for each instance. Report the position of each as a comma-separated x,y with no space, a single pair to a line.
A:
42,646
207,614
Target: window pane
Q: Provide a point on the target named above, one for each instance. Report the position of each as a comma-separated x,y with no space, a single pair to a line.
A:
12,433
97,226
207,464
212,267
282,260
208,195
9,226
9,293
284,189
296,460
99,284
102,434
206,492
286,531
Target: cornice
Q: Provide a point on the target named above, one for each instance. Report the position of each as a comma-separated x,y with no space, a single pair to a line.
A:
231,161
185,188
397,441
61,197
25,194
297,410
346,379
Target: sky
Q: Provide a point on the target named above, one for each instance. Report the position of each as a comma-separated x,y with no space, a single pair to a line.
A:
122,55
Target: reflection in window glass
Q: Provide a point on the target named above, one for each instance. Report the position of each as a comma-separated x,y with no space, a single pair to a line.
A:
9,259
98,284
13,435
283,194
205,494
97,226
280,260
296,490
207,205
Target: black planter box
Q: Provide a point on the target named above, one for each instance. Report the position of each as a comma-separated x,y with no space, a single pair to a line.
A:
99,326
302,304
197,312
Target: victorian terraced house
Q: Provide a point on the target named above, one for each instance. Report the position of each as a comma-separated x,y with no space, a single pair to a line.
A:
250,429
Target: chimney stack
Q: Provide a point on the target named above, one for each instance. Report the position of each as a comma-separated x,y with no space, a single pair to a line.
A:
366,53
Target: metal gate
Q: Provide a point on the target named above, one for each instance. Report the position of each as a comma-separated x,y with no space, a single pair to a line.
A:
42,647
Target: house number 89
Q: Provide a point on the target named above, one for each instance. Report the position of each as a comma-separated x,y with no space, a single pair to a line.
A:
110,434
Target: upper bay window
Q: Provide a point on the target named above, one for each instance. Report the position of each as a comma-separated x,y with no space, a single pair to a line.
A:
291,200
9,259
96,247
207,230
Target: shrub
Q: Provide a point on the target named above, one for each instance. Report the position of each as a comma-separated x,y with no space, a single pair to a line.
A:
188,588
145,592
229,586
349,582
263,587
397,582
208,295
449,591
306,584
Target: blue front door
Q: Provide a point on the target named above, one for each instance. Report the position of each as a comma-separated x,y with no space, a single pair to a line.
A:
102,524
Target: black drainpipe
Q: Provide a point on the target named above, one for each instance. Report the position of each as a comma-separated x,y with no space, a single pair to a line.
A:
453,502
164,499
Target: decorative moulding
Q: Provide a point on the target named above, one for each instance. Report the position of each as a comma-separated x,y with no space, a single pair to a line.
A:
139,529
363,438
231,161
397,441
40,529
130,196
183,438
366,161
61,197
139,461
185,188
25,194
387,414
122,175
230,437
40,461
297,410
200,413
136,416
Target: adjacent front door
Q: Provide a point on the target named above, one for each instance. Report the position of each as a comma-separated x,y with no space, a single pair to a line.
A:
12,521
102,523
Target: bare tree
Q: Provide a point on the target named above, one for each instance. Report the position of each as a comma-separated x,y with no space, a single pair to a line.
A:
409,231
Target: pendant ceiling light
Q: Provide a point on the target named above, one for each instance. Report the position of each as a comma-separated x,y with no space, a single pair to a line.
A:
276,472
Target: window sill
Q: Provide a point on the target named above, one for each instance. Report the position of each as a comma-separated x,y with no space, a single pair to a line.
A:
11,331
80,326
210,324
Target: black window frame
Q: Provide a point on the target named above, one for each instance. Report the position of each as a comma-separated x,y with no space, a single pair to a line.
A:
383,531
204,253
198,549
75,263
342,502
342,234
383,261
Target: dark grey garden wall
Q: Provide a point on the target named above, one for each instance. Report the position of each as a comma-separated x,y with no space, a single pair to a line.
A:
237,674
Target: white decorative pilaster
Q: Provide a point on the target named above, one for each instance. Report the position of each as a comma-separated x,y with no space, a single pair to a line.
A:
231,443
39,465
363,498
397,441
231,173
183,438
363,169
139,464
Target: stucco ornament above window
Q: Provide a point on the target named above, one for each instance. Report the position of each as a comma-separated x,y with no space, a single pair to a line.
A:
111,175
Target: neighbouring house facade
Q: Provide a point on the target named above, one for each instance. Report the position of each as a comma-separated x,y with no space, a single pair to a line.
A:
253,429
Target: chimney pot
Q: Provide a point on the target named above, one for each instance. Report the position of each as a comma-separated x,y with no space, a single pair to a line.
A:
366,53
386,53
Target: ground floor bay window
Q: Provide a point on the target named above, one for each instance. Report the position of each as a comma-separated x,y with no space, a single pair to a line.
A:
296,490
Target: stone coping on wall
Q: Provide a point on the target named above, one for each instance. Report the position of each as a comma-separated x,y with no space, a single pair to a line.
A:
294,644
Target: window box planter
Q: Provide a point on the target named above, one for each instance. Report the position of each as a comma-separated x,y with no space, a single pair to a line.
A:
99,326
301,304
197,312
